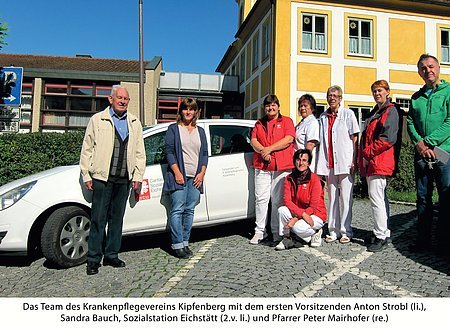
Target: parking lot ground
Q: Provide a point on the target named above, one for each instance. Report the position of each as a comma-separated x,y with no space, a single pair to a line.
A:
225,265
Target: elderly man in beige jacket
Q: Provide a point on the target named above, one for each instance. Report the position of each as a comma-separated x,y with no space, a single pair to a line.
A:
112,158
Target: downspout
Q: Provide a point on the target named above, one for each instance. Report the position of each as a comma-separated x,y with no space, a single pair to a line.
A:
272,46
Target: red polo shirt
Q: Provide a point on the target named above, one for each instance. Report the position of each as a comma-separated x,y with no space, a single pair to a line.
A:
267,133
331,119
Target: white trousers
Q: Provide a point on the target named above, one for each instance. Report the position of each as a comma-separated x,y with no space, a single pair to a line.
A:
380,205
268,186
340,196
301,227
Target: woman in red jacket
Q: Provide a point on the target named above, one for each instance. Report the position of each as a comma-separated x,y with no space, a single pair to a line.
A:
304,212
377,159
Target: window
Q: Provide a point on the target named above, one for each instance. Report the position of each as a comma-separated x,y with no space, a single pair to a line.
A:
404,104
70,104
242,67
26,105
255,52
445,46
81,90
320,108
265,41
55,89
155,148
360,37
361,113
227,139
313,33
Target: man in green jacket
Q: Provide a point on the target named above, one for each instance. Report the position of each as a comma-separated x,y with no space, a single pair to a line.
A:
429,128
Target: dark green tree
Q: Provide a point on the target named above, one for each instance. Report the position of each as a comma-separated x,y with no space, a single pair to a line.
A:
3,29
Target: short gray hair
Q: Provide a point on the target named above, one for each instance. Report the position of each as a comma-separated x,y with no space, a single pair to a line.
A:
115,88
335,88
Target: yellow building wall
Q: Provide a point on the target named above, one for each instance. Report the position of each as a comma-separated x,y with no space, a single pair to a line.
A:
282,48
247,7
404,77
313,77
255,87
359,104
399,92
247,95
248,59
446,77
265,81
358,80
407,40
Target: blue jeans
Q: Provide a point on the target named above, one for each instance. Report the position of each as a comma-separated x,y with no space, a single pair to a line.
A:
109,200
181,214
440,175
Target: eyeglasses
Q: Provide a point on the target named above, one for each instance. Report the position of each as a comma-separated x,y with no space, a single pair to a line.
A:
333,96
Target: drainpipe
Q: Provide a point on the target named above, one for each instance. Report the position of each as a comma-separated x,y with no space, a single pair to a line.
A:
141,66
272,46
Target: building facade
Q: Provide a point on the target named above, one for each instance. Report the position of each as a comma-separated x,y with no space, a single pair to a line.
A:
292,47
62,93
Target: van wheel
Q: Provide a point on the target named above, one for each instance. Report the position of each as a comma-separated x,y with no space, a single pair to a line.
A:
64,238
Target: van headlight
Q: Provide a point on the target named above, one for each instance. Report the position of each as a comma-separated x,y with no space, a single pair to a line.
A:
11,197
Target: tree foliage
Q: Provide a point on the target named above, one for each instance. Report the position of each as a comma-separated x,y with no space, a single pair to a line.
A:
3,29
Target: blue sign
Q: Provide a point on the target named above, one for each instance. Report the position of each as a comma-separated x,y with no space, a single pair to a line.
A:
11,86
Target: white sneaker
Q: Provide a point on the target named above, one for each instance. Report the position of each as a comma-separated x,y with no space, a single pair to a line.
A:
280,246
257,238
316,239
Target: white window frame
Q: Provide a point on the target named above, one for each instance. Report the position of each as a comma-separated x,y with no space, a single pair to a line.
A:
315,35
242,67
404,103
255,52
359,39
265,51
358,110
445,49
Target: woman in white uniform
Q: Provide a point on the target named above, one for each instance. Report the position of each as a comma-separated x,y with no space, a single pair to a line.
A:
337,161
307,130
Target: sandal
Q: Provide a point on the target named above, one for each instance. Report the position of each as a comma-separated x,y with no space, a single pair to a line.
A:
330,238
344,240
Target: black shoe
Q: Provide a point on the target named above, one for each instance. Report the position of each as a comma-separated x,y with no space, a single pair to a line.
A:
180,253
188,251
285,244
369,240
298,241
377,245
116,263
92,268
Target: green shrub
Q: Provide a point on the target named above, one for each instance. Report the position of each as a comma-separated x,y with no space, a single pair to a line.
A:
25,154
404,180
